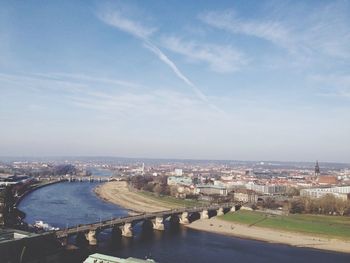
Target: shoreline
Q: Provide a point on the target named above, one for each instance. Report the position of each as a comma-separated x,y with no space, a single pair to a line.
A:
119,194
20,198
97,192
32,189
295,239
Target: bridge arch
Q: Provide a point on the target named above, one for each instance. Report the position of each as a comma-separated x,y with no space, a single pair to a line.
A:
116,233
80,240
194,216
147,225
124,225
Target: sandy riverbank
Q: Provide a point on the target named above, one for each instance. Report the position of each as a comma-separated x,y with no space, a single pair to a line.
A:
269,235
119,194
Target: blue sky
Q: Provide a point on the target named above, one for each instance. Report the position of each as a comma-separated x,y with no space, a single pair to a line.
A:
243,80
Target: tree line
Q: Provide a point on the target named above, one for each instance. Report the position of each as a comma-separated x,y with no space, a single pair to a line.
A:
157,185
327,205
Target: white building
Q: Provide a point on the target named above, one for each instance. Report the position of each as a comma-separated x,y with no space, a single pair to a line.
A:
211,190
179,180
178,172
338,191
266,189
245,196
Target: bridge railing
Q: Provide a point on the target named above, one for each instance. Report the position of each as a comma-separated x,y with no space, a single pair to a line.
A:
126,219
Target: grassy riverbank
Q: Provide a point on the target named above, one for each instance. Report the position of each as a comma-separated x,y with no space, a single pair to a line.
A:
328,226
242,224
172,200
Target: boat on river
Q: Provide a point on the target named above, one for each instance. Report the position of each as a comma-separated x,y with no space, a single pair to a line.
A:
40,225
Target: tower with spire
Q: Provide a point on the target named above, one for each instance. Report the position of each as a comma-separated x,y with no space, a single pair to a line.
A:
317,170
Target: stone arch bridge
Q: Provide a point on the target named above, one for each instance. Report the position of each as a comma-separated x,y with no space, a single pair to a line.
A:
125,224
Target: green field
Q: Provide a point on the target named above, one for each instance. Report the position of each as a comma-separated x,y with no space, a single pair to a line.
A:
172,201
330,226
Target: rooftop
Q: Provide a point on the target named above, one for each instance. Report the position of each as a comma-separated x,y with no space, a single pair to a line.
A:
7,235
210,186
100,258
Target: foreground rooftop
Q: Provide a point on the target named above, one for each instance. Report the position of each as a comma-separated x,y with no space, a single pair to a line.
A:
100,258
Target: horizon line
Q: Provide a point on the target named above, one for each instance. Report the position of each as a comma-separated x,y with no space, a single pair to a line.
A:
164,158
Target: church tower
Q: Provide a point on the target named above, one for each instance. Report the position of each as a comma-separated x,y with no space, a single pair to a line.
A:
317,170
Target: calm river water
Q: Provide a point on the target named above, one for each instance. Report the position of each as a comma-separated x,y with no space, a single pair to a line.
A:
75,203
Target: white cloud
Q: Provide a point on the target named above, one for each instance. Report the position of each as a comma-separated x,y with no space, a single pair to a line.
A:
220,58
327,30
269,30
332,85
318,30
105,97
83,77
137,30
160,105
175,69
62,81
115,19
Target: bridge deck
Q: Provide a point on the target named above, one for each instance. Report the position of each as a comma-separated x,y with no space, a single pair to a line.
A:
136,218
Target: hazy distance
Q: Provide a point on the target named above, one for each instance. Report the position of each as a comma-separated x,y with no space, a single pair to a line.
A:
263,80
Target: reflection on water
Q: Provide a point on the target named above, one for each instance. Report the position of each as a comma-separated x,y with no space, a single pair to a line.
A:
75,203
69,204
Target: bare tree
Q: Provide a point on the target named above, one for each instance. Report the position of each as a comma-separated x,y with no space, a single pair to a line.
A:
341,206
296,206
148,187
293,191
158,189
327,203
173,190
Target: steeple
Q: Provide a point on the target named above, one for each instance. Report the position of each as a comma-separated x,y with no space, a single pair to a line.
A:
317,170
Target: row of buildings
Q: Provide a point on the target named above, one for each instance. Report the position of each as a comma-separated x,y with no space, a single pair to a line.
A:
241,192
341,192
247,186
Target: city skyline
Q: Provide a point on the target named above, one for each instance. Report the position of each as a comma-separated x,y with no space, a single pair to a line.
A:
263,80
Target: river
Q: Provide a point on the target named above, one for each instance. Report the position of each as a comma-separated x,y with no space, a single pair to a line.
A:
70,204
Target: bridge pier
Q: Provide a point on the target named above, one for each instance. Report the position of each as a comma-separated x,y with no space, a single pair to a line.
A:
158,223
123,225
184,218
220,211
91,237
204,214
127,230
